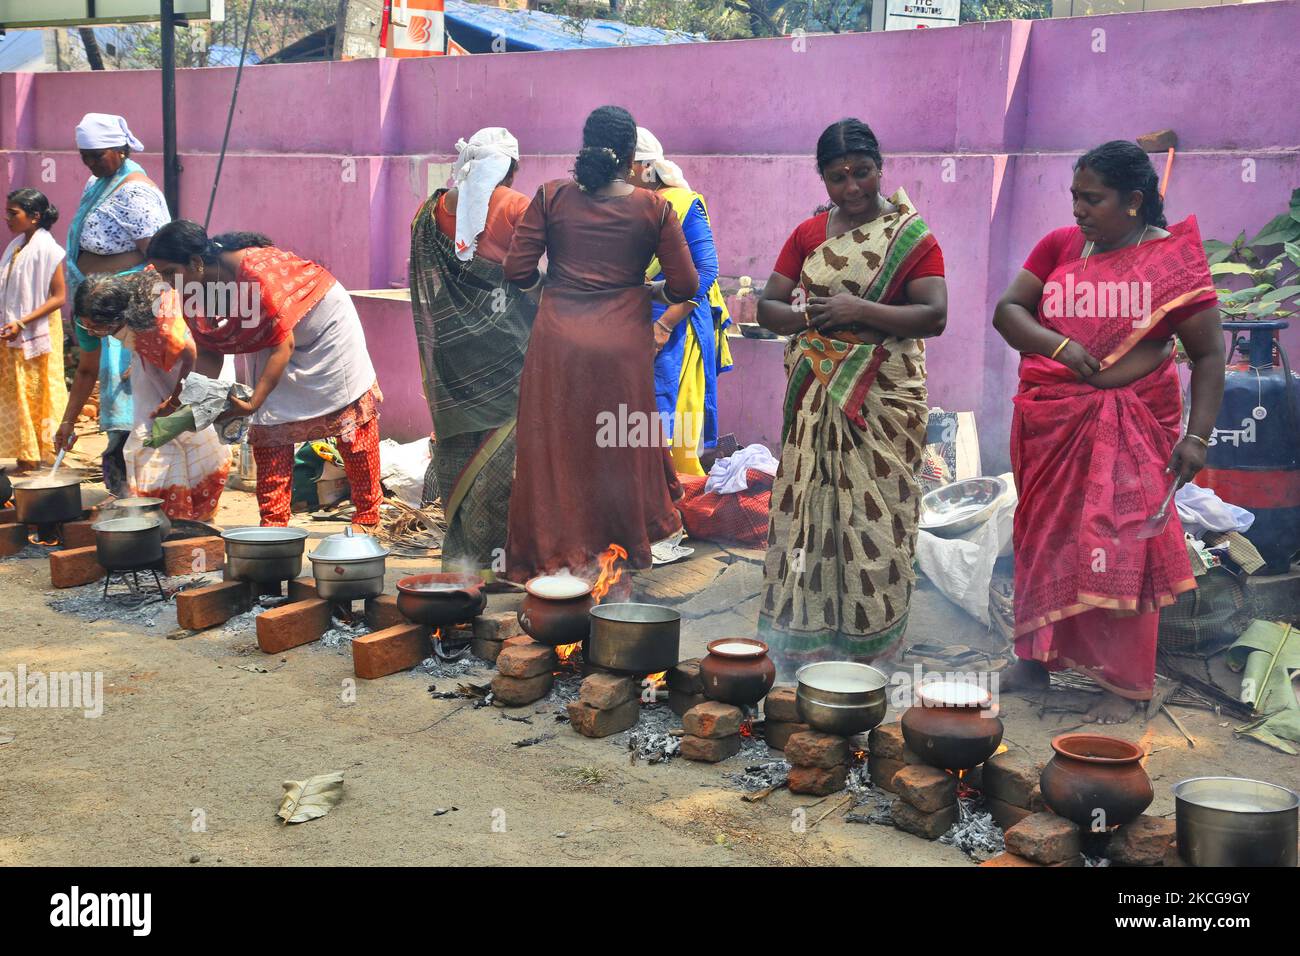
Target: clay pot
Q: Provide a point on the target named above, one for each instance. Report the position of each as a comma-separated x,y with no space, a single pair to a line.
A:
553,620
439,600
737,671
1091,773
951,726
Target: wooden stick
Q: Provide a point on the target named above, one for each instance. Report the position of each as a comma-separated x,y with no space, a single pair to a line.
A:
1169,165
846,799
1191,741
766,792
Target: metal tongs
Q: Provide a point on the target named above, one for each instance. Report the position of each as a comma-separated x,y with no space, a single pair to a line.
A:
1154,525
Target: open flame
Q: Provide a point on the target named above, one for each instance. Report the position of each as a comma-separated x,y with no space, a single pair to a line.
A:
609,574
565,653
747,726
46,535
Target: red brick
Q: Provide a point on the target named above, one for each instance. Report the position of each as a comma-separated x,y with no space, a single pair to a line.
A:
77,534
779,705
1005,815
516,640
593,722
13,538
882,771
777,732
818,781
396,648
928,826
292,625
685,678
679,703
814,749
497,626
1143,842
213,604
486,650
74,567
302,589
887,741
926,788
712,719
607,691
515,691
8,514
1011,777
710,749
1044,838
526,660
194,555
1173,857
382,612
1009,859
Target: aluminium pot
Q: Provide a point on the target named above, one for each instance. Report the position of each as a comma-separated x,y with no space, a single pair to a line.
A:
1095,781
264,555
48,501
128,544
952,725
1232,821
737,671
139,508
841,697
440,600
633,639
554,611
349,567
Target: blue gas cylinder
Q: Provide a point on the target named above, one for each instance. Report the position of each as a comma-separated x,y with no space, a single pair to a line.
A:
1254,456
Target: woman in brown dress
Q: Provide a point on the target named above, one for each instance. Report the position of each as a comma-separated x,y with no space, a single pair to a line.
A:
591,467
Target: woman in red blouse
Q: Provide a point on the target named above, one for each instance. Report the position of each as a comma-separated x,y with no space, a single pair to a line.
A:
1095,434
856,288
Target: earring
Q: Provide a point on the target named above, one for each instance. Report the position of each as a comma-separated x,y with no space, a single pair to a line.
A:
1132,213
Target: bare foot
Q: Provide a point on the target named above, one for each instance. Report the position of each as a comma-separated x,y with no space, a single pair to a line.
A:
1024,676
1111,709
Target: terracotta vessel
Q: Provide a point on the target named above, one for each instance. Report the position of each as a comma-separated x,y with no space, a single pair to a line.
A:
554,610
951,726
1097,782
737,671
438,600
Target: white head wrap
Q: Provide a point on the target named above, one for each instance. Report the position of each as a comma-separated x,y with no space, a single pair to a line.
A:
105,131
648,150
479,168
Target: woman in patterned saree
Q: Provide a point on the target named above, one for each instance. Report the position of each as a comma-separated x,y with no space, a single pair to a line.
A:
472,329
856,288
1094,435
140,310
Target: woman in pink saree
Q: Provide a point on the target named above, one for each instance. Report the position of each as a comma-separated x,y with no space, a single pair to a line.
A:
1095,433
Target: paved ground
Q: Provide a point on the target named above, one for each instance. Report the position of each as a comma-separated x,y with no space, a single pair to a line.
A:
197,734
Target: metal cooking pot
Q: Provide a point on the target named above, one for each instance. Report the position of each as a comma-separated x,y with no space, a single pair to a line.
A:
139,508
46,501
349,567
127,544
264,555
636,639
841,697
1232,821
6,488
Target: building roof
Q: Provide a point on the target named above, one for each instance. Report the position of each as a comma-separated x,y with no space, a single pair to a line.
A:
474,27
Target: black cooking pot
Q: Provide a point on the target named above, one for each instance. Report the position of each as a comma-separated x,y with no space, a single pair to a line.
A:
128,544
6,489
48,501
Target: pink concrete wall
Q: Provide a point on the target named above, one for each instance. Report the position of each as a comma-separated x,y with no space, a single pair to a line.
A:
980,124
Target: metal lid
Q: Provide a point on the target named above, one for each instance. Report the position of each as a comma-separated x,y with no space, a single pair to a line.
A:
349,546
140,523
265,535
127,503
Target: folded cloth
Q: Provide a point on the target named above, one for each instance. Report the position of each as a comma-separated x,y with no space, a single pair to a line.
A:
727,476
208,399
1201,510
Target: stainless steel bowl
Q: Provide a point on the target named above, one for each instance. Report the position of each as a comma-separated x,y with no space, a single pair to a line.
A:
963,506
264,555
841,697
636,639
1233,821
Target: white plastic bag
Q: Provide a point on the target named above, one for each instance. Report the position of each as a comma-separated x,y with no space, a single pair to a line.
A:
402,468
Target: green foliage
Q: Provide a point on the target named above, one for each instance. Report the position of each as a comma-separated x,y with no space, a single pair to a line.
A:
976,10
1273,274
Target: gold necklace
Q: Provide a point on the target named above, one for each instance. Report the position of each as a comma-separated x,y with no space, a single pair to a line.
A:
1087,251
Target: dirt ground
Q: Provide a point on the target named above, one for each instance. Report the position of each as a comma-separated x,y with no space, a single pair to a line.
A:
185,764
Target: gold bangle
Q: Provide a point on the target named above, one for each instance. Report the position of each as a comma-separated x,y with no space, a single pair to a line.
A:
1199,439
1064,342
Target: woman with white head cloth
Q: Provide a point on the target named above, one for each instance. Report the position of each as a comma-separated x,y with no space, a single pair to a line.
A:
120,210
472,327
690,339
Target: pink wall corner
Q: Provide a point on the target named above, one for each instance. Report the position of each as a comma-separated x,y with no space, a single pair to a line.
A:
390,339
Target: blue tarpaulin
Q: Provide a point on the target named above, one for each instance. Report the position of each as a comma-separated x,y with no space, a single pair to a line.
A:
475,27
